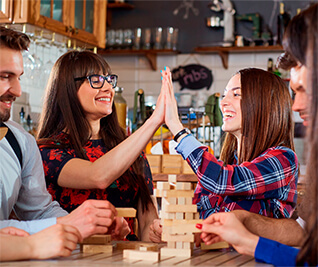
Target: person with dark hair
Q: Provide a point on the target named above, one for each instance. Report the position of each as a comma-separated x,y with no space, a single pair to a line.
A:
85,152
23,189
301,46
258,169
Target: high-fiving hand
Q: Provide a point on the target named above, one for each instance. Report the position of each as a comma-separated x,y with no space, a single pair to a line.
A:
171,108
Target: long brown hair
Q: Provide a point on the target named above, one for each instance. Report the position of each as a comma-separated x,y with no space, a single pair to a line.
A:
267,119
63,111
301,36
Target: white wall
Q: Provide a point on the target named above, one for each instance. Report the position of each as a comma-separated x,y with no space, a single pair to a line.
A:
134,72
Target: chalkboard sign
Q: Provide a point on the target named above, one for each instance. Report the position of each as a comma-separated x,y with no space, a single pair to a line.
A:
193,77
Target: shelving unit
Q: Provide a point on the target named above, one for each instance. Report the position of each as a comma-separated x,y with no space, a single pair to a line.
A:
224,51
151,55
112,6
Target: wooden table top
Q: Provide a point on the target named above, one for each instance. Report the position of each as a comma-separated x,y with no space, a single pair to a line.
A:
223,257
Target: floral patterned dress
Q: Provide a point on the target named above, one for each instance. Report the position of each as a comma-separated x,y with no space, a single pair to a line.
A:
119,193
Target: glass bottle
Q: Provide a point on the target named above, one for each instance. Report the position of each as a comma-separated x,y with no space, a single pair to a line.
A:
23,122
121,106
282,22
270,65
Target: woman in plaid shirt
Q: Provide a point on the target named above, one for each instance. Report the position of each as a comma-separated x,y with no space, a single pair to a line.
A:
258,168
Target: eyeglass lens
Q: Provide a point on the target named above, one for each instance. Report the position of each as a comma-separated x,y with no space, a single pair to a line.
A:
97,81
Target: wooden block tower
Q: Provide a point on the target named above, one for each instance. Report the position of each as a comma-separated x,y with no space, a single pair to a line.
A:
178,217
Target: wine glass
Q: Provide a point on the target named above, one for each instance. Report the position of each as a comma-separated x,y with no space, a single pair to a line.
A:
28,65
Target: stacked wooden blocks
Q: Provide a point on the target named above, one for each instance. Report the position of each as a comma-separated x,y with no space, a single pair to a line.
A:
178,217
168,164
97,243
101,243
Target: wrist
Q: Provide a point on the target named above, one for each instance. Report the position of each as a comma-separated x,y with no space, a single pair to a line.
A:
251,244
181,137
182,133
29,248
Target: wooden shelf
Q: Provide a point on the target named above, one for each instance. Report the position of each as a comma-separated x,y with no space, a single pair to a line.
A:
224,51
112,6
151,55
120,5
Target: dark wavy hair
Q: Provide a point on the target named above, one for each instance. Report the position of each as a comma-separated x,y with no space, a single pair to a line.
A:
13,39
63,111
267,119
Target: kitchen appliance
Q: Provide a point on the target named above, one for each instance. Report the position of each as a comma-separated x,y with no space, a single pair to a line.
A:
227,22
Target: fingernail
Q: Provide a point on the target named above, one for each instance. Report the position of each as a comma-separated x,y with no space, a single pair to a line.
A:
161,77
165,68
198,225
161,71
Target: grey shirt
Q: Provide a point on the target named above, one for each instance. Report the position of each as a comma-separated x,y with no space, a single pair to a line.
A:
24,191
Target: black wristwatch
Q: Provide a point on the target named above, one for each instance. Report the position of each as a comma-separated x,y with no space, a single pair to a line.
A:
183,131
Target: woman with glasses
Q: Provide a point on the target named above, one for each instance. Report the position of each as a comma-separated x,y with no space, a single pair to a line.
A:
85,152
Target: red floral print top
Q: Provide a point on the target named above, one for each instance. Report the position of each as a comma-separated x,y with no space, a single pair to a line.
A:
119,193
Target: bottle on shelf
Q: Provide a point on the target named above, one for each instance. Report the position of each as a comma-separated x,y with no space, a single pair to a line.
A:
23,121
282,22
31,129
270,65
121,106
272,68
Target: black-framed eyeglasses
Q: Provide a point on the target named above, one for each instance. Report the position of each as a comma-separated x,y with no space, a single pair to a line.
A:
97,81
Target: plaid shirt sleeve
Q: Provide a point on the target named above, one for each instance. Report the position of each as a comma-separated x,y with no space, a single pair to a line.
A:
272,175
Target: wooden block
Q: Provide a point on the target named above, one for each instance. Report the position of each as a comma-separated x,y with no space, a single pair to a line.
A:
188,200
181,229
173,193
174,161
218,245
97,248
183,186
179,245
150,256
97,240
177,222
188,216
197,216
137,245
188,245
179,216
186,169
178,238
155,169
171,244
163,185
178,193
166,215
173,252
154,160
183,208
181,200
172,178
126,212
168,201
176,170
